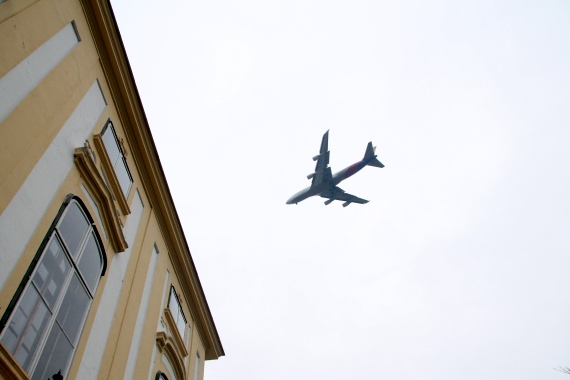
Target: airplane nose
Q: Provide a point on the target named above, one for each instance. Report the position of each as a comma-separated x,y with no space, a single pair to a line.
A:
298,197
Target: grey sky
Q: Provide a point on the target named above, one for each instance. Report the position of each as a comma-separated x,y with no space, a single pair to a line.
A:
458,268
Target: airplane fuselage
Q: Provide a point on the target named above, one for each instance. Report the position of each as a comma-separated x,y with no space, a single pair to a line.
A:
324,183
337,178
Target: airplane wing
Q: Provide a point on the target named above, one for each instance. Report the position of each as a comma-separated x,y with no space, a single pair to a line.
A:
322,170
338,194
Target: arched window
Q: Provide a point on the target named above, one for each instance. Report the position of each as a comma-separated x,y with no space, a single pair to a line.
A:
160,376
43,323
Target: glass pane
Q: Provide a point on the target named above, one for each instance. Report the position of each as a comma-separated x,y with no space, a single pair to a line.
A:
181,324
73,308
90,263
176,311
173,306
111,145
52,272
26,327
55,356
73,227
123,176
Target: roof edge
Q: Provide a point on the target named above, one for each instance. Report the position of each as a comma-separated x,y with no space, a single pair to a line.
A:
117,69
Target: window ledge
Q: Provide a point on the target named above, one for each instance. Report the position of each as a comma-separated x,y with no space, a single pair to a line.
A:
111,176
9,368
99,190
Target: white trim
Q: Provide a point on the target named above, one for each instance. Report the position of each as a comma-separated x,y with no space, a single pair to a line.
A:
23,78
96,208
139,324
22,216
169,366
197,367
97,341
158,327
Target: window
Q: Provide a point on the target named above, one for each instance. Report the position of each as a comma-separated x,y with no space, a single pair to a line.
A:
176,311
160,376
45,319
117,158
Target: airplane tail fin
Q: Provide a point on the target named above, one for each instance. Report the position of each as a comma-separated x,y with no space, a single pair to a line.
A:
371,153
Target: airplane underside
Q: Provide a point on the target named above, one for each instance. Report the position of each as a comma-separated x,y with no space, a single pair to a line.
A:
324,183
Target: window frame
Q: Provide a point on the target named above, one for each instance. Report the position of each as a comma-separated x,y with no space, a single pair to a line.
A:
109,126
74,271
177,299
160,376
108,169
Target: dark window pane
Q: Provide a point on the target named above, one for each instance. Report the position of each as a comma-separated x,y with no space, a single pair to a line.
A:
52,272
111,145
73,227
123,176
55,356
90,263
73,308
26,327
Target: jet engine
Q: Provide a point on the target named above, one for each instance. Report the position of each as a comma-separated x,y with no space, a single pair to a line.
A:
311,175
346,203
329,201
316,157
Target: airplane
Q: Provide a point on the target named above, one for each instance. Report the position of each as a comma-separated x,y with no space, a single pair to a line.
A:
325,184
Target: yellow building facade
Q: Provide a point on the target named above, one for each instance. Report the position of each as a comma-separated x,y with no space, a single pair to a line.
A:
96,278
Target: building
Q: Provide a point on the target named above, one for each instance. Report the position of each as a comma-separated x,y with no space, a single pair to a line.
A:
96,278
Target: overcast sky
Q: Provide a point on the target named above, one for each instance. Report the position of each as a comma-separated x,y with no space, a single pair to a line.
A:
458,268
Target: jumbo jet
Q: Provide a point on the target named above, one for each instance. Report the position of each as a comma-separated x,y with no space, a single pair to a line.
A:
325,184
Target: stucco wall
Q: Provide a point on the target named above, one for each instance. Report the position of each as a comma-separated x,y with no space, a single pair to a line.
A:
68,106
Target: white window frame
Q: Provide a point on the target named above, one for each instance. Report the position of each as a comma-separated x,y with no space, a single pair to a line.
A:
177,315
121,159
73,260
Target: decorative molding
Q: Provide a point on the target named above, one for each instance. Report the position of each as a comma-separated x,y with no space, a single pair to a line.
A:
173,330
160,375
102,195
124,95
167,346
110,174
90,150
9,368
161,338
123,147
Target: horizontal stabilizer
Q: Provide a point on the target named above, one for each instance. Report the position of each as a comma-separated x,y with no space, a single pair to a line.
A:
371,154
376,163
